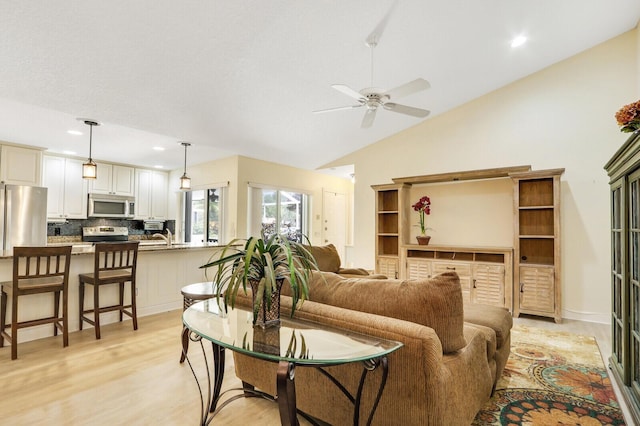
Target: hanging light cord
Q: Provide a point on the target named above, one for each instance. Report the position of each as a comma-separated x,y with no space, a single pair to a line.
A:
185,158
90,139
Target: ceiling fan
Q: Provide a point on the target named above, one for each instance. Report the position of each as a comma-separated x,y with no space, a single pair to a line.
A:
372,97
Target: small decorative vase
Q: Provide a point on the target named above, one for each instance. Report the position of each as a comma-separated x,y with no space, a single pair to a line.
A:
423,240
268,313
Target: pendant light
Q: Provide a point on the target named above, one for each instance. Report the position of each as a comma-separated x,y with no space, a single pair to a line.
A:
185,181
89,169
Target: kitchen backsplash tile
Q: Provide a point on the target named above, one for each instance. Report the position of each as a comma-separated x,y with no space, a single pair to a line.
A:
71,230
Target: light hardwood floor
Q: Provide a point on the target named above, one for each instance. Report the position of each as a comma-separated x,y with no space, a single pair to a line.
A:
134,378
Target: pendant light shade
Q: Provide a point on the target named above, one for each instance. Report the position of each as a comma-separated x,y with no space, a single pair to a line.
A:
89,169
185,181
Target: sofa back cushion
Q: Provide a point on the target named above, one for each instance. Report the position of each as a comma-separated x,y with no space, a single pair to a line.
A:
435,302
327,257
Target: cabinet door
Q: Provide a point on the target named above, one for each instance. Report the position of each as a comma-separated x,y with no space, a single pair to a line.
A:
143,194
66,190
632,296
54,174
75,190
619,308
20,166
388,267
418,268
103,181
488,284
122,180
537,289
159,195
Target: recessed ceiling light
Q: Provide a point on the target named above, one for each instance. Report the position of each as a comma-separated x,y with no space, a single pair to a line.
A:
74,132
69,152
158,148
158,167
518,41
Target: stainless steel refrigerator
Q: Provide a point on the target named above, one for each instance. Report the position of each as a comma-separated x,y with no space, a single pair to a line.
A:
23,211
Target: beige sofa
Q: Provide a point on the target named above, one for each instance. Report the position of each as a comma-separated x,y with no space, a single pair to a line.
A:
443,374
328,260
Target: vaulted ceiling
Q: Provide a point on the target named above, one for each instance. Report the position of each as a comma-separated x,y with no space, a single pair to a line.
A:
243,77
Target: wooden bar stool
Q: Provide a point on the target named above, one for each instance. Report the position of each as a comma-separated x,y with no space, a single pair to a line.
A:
36,270
114,263
191,294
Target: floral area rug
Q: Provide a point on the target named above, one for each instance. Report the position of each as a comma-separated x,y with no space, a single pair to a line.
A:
552,378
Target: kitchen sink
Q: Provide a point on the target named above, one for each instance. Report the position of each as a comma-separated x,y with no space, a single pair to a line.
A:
153,243
81,248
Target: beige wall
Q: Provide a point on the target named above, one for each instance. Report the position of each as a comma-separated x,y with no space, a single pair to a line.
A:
238,171
562,116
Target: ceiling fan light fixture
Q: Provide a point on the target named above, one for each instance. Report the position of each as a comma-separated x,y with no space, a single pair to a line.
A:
185,181
90,168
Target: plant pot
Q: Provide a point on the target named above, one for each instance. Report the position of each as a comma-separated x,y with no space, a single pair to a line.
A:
268,314
266,340
423,240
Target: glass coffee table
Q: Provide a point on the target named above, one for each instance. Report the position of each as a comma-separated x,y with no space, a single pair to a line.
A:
295,343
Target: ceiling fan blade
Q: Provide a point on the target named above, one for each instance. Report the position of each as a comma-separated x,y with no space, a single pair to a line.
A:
403,109
408,88
374,38
349,91
337,108
367,120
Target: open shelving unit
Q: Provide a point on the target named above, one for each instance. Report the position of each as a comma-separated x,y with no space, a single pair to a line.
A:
537,243
391,227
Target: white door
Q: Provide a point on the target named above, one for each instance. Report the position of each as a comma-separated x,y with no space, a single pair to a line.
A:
334,221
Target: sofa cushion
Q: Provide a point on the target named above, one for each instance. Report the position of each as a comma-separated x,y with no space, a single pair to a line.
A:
494,317
327,257
435,302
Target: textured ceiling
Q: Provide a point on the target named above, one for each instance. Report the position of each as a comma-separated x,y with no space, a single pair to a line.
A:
243,77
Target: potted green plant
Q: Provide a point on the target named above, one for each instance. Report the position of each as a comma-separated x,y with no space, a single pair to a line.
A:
263,264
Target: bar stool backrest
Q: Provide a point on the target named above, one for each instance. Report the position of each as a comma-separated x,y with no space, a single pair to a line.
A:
115,261
38,267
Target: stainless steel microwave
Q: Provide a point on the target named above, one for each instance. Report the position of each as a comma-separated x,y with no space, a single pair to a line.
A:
117,206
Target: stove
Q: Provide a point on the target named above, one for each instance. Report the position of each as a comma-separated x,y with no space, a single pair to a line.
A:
105,233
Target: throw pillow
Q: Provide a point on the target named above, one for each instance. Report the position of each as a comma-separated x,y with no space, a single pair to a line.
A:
327,257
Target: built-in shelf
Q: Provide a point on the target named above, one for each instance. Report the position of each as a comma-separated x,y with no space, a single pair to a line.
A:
537,243
535,278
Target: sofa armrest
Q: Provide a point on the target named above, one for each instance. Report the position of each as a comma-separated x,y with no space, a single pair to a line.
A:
352,271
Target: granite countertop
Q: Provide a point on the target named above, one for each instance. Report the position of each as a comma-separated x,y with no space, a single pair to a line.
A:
147,246
79,247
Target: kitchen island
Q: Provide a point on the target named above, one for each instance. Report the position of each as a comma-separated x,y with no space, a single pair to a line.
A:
162,271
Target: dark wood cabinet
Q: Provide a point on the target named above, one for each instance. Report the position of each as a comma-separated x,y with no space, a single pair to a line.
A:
624,173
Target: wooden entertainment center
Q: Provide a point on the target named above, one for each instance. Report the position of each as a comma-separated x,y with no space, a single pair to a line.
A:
524,278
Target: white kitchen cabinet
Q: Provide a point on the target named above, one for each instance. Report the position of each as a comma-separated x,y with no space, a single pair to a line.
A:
20,166
113,179
151,194
67,190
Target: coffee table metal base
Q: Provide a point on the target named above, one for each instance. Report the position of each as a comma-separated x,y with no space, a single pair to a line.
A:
285,387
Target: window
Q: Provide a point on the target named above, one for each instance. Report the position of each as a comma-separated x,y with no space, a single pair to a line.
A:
284,212
203,215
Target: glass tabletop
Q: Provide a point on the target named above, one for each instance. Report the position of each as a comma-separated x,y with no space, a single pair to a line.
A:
295,340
